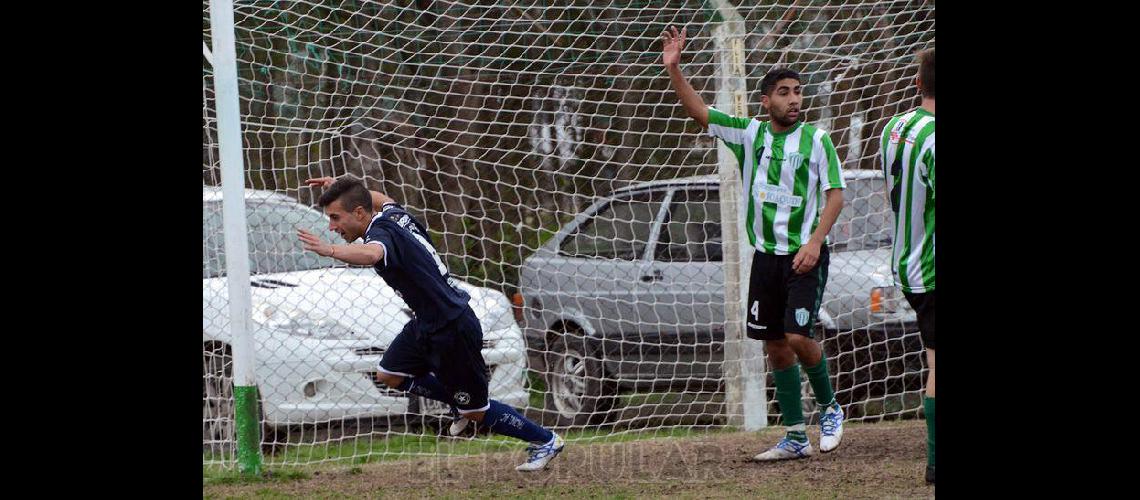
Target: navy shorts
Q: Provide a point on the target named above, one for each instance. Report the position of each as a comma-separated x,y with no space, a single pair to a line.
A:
451,353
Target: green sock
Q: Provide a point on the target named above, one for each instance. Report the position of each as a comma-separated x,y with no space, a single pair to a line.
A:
788,394
928,404
821,383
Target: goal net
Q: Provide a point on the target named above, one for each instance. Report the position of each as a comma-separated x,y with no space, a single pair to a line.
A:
541,144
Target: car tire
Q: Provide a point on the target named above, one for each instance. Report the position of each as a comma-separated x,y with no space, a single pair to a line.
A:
577,391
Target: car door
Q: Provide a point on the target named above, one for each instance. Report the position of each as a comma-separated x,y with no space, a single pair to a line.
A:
688,289
600,272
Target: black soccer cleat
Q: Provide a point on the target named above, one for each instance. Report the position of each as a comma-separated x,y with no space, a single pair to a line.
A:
929,474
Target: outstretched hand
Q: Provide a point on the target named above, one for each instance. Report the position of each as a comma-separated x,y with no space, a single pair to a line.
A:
313,243
672,43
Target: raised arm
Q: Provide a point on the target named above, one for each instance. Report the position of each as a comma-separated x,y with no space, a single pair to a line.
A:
672,43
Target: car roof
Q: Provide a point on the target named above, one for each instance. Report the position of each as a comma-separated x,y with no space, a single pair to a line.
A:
715,179
214,193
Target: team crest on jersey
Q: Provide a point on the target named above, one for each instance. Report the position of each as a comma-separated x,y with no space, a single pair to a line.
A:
403,222
462,398
801,316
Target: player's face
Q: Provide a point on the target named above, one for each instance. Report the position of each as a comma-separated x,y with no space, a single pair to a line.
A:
784,103
349,225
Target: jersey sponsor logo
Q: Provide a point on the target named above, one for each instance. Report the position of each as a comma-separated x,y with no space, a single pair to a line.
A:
403,222
760,156
780,195
801,316
793,159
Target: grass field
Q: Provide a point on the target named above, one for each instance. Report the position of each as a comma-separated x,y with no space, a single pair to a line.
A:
876,460
358,450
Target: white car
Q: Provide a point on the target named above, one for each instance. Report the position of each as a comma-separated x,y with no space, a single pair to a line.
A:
320,327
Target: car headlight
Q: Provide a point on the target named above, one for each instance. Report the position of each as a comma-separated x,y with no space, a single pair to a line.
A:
886,299
301,323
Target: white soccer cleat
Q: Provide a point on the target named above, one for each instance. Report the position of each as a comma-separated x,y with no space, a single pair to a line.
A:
457,426
786,449
830,428
540,455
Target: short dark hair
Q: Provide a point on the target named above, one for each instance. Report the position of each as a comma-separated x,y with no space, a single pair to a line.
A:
350,191
768,84
926,72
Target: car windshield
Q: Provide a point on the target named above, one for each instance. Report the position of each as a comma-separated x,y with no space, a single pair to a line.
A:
273,243
865,222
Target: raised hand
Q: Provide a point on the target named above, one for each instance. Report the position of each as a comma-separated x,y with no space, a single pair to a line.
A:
322,182
672,43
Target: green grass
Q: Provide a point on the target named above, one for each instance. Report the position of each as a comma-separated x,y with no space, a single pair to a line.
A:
285,464
858,473
536,388
367,449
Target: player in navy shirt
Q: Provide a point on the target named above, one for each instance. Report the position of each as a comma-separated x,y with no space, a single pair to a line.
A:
437,355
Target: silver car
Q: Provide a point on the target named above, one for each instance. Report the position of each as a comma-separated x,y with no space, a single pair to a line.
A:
630,293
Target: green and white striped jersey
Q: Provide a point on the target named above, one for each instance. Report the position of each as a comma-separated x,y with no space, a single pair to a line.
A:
907,153
784,177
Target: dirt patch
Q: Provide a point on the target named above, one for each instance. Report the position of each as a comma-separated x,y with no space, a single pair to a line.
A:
875,460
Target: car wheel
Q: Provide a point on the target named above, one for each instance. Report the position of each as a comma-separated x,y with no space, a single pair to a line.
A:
577,392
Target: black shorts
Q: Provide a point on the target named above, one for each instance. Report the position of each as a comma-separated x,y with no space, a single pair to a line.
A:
451,353
781,301
923,305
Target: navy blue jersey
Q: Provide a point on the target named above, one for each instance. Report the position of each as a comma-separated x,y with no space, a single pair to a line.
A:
412,267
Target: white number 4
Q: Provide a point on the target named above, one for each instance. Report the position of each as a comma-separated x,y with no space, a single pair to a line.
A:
756,310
